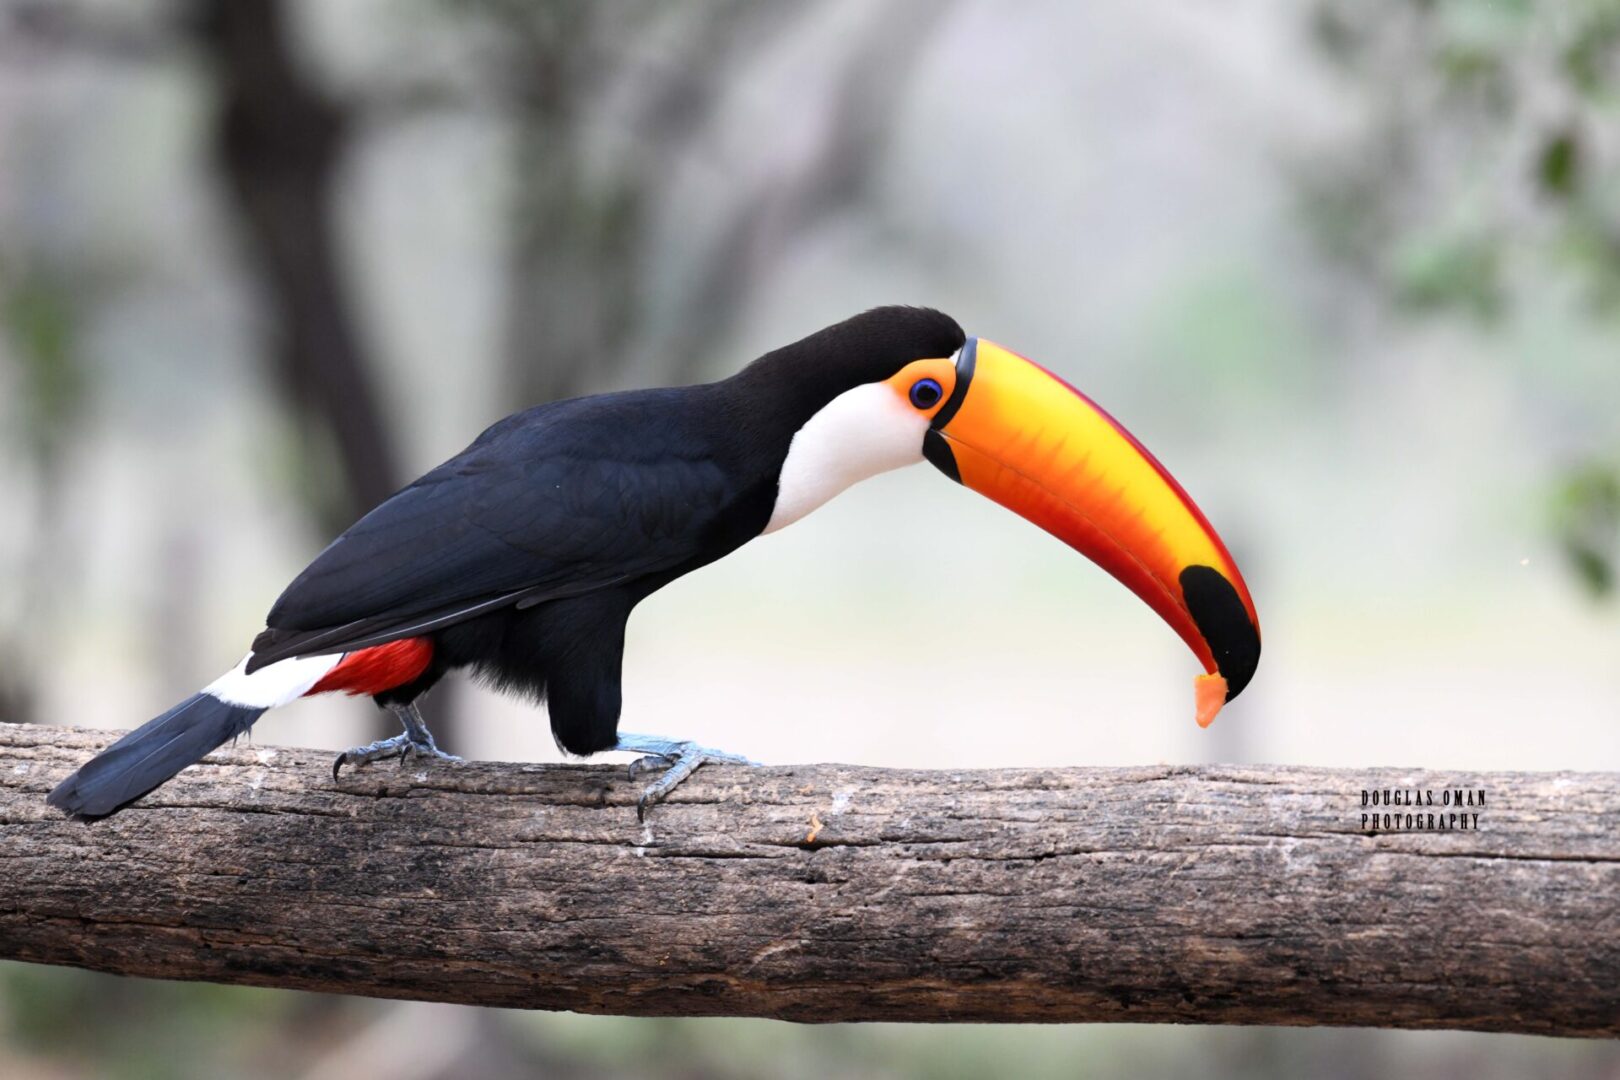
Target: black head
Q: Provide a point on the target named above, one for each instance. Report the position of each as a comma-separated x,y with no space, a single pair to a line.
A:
868,348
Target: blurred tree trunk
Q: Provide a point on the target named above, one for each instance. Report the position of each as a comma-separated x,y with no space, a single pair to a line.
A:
579,234
577,240
279,143
42,316
836,178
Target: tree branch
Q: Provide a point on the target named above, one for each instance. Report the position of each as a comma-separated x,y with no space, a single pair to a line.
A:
819,893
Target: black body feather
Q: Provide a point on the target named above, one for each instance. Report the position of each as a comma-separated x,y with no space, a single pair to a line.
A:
522,556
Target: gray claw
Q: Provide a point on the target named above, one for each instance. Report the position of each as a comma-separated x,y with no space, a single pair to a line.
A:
679,759
403,747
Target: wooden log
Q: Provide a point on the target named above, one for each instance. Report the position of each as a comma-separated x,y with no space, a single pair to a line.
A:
1222,895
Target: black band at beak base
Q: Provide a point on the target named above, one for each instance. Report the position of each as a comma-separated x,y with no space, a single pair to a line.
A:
966,361
935,448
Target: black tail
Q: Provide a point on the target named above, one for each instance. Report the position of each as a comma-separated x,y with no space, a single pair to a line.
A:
150,754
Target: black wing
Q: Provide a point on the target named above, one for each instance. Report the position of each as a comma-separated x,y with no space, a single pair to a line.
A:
558,501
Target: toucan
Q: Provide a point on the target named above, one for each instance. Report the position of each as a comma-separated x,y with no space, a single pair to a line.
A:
522,557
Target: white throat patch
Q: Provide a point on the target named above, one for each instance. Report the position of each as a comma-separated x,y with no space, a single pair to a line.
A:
858,434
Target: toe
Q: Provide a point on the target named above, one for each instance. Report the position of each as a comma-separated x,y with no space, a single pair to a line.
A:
703,755
646,762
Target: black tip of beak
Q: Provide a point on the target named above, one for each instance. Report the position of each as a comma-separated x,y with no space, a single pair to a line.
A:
1218,611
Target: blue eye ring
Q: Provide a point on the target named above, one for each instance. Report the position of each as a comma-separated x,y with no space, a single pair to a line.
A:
926,393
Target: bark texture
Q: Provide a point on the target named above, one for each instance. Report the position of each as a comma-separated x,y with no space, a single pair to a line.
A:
818,893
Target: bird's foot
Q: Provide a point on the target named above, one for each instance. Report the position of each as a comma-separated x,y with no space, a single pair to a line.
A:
403,746
678,757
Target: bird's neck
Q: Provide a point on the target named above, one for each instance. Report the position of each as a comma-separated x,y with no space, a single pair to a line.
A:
819,440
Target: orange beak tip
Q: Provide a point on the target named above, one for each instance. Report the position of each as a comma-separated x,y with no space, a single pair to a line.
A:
1210,692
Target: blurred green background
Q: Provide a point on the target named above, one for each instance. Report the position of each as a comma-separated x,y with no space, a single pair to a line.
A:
1350,267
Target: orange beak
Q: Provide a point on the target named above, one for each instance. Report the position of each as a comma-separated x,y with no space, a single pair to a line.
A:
1016,433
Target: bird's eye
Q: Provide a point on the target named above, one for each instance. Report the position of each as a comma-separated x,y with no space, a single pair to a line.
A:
925,393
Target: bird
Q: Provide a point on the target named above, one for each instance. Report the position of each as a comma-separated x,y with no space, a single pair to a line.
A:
521,558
